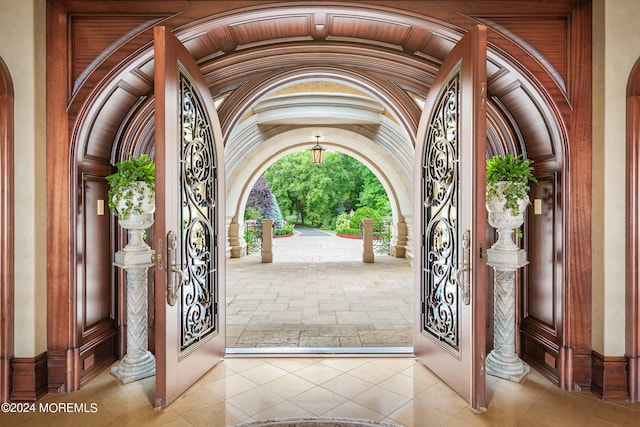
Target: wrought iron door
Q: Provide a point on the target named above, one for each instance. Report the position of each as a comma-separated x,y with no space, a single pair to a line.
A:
190,337
451,274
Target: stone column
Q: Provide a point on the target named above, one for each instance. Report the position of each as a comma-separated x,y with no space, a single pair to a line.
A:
367,241
236,240
267,240
135,259
505,258
399,242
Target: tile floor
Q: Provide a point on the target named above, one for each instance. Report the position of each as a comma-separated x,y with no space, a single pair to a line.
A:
393,390
317,292
397,390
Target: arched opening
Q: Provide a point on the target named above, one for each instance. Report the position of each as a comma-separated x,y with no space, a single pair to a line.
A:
316,294
6,231
632,307
527,104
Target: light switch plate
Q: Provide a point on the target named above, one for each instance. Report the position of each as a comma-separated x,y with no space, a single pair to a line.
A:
537,206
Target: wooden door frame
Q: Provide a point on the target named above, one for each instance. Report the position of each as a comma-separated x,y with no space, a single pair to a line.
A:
632,225
72,92
6,231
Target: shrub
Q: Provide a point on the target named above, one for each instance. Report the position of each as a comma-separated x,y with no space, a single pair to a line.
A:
363,213
284,230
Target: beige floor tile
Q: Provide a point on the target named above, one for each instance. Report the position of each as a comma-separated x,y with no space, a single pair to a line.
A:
230,386
380,400
289,386
347,385
352,409
414,414
284,409
255,400
318,400
264,373
318,373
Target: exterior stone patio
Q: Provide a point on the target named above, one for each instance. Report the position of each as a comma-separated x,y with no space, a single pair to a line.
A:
319,293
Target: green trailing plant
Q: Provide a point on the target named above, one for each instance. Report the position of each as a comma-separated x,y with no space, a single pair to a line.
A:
508,178
122,190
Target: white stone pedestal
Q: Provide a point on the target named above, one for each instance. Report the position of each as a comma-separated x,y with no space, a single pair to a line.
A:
502,361
135,259
506,258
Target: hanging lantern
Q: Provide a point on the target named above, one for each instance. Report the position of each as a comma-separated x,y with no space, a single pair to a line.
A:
317,152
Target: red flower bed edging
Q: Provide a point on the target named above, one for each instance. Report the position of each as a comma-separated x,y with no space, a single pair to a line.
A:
349,236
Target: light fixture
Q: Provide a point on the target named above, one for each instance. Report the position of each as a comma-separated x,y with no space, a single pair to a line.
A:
317,152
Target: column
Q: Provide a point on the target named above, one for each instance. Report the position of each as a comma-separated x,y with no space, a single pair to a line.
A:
506,259
367,241
267,240
135,259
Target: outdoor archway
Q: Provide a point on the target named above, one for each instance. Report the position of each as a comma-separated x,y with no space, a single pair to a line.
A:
393,178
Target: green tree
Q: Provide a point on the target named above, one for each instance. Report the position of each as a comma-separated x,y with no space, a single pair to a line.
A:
318,193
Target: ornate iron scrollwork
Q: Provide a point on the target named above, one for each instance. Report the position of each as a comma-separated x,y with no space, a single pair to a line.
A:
197,214
440,292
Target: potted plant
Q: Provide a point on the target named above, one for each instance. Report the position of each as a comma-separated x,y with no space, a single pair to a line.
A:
508,180
132,187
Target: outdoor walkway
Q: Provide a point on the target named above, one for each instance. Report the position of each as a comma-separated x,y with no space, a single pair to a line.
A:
319,293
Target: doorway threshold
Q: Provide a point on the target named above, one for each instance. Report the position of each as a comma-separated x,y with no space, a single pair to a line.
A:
319,351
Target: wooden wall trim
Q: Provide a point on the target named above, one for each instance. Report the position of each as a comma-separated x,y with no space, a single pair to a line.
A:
632,225
62,334
577,207
6,231
29,378
609,376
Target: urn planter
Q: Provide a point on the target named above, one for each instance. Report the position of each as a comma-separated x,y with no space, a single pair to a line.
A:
505,218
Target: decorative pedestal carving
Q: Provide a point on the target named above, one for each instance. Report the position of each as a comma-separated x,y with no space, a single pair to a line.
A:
505,258
135,259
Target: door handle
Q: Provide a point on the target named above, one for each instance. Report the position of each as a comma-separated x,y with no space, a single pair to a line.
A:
175,276
463,275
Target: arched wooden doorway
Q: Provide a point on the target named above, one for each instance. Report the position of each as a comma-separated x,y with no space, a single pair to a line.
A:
6,231
539,102
632,296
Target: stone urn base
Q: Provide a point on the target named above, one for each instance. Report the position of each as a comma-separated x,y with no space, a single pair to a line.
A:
508,366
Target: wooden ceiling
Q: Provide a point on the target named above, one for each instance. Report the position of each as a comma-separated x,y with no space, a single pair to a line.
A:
246,49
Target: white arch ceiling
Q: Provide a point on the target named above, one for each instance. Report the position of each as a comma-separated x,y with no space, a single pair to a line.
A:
355,124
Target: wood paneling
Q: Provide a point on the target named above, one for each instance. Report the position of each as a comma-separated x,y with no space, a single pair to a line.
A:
29,378
543,284
609,377
536,30
96,296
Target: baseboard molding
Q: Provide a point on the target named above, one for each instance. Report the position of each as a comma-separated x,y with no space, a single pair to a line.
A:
633,378
609,376
29,378
6,378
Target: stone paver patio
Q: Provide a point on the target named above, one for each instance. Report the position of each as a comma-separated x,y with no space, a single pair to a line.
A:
319,293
